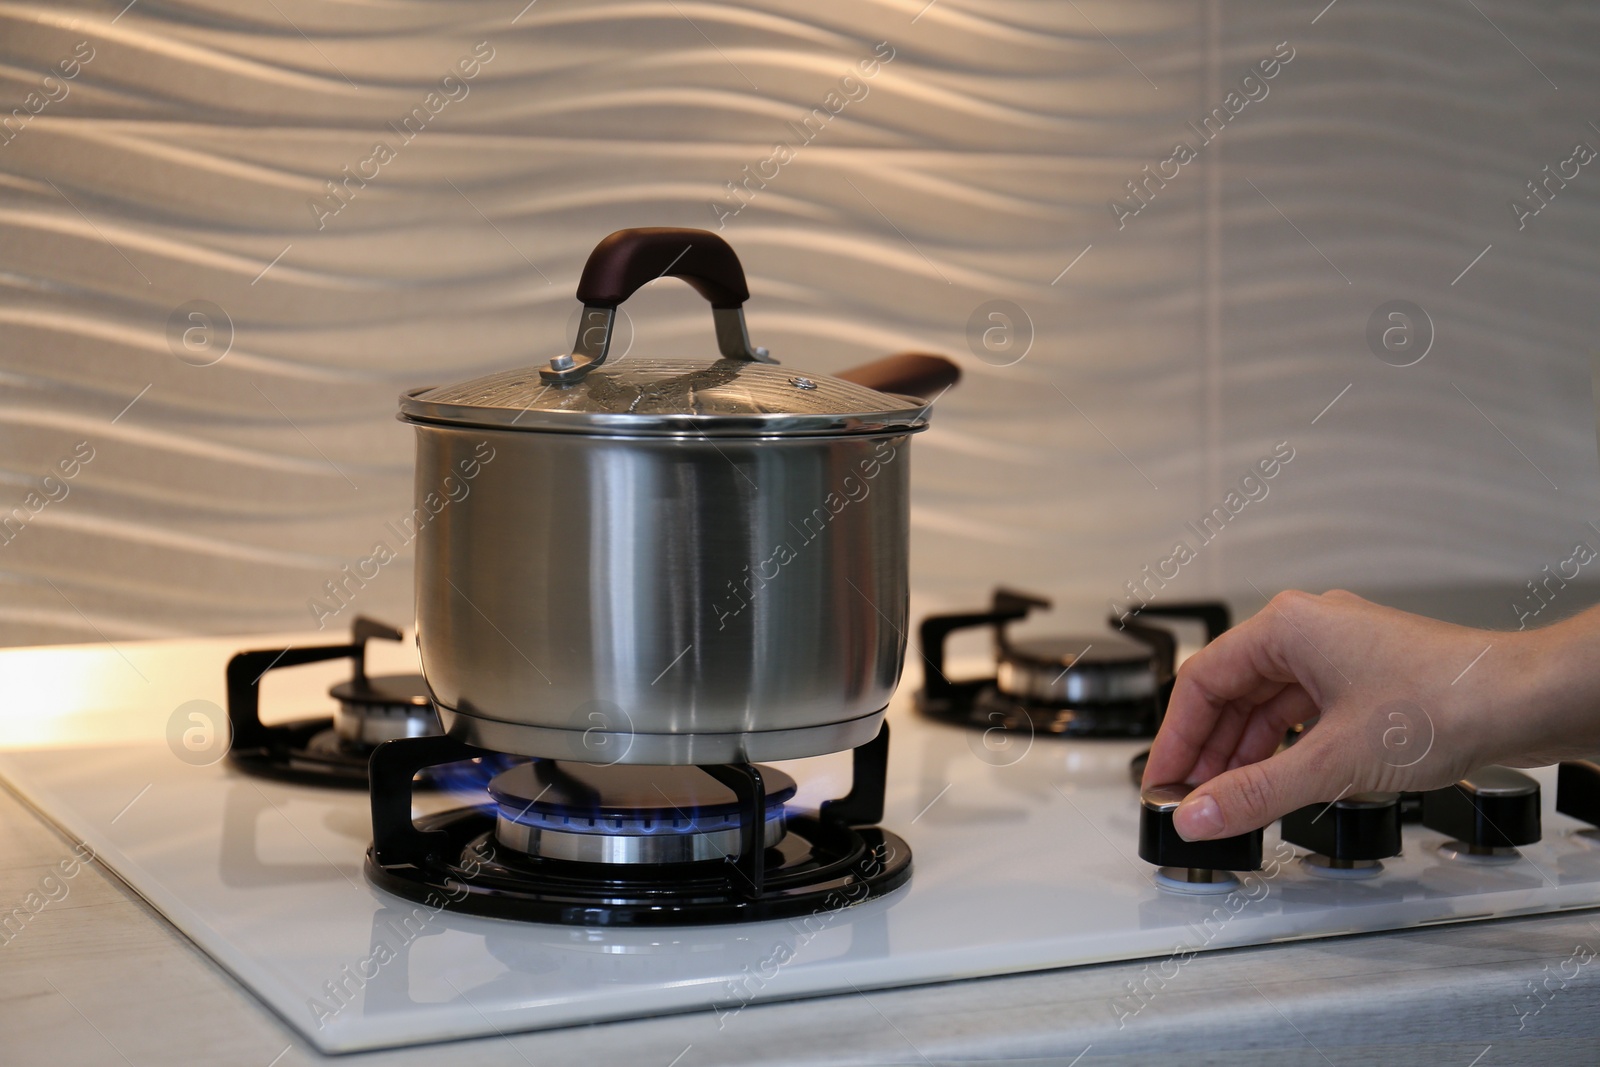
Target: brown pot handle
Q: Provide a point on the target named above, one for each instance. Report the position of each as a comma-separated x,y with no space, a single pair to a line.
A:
910,373
628,259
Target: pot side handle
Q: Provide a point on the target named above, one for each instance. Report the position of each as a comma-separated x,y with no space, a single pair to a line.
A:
920,374
628,259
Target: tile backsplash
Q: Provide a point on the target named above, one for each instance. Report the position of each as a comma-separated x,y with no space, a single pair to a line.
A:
1174,245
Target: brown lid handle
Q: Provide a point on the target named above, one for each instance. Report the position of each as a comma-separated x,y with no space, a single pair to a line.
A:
628,259
911,373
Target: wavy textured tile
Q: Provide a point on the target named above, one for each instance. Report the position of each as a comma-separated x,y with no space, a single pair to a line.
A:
185,160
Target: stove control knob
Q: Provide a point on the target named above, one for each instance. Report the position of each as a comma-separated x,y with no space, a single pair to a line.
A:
1578,791
1190,866
1348,837
1487,813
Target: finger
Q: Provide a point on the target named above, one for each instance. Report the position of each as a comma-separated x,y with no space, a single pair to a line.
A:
1257,735
1249,797
1232,726
1225,732
1194,718
1267,727
1245,665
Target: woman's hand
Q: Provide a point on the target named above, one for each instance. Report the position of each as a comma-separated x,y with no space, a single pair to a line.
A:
1399,702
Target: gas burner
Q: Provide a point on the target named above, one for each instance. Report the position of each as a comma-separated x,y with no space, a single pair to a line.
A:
332,750
374,710
634,845
628,814
1095,685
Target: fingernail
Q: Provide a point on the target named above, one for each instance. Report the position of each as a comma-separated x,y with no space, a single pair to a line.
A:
1198,819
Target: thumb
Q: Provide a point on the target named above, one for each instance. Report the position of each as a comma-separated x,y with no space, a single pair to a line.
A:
1249,797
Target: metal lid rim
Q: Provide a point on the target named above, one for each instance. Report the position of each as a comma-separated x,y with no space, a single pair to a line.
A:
688,426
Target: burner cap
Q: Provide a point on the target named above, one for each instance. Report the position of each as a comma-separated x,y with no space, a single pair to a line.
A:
377,709
627,813
1103,669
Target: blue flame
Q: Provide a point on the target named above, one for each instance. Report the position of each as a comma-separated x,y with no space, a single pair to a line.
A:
468,780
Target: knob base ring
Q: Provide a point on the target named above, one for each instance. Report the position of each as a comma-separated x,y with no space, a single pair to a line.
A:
1489,857
1177,880
1322,866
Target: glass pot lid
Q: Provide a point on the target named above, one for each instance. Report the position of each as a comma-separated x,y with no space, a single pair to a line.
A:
726,397
743,393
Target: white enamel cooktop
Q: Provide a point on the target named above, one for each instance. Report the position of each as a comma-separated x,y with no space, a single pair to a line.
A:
1024,859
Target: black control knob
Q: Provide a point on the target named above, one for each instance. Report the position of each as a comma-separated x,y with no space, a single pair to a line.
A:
1578,791
1349,837
1192,865
1490,811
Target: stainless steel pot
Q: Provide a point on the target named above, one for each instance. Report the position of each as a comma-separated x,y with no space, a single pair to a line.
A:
665,561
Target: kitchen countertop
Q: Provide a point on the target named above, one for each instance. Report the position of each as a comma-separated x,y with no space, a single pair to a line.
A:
96,976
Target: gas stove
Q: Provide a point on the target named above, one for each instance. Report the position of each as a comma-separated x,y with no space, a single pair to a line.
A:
1105,684
335,751
601,845
328,750
360,939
